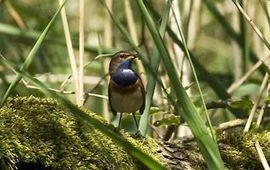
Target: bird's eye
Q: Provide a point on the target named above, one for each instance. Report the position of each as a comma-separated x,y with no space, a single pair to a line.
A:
122,56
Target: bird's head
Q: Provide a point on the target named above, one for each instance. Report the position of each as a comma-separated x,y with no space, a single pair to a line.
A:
122,59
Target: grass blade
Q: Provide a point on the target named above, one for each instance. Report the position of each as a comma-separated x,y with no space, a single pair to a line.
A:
150,88
207,145
195,76
203,74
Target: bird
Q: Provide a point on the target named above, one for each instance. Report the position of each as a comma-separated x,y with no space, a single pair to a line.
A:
126,92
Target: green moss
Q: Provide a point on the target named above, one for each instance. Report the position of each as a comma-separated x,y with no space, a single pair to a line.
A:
239,152
36,130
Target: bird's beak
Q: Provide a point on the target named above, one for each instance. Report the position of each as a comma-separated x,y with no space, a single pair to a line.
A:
131,57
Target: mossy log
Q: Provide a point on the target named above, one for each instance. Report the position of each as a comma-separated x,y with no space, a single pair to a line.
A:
38,133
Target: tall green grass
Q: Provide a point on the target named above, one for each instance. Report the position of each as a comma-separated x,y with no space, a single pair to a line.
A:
207,145
205,141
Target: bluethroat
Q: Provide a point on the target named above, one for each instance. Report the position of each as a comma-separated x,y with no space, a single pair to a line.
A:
126,91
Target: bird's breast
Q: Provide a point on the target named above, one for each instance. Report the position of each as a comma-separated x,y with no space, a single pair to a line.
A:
126,100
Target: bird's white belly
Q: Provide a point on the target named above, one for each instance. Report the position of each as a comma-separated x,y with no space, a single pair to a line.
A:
127,103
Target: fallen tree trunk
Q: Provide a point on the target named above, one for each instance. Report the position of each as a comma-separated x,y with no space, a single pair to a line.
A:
38,133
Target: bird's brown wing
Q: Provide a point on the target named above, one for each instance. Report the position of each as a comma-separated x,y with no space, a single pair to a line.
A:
109,95
143,95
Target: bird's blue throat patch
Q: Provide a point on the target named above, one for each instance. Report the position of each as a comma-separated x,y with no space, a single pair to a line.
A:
124,75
